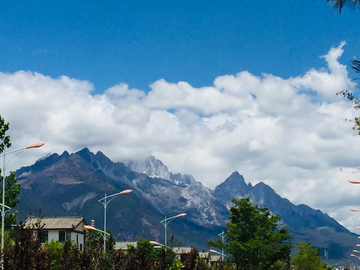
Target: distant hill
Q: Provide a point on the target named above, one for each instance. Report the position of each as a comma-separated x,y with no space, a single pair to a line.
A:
72,184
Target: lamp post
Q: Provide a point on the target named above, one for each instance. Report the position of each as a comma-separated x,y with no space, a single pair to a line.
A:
222,235
16,152
166,222
105,201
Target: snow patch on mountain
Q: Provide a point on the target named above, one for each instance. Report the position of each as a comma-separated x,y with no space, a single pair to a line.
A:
80,201
150,166
155,168
202,199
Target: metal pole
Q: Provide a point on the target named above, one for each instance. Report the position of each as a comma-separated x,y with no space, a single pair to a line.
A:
165,224
105,202
105,223
222,235
3,215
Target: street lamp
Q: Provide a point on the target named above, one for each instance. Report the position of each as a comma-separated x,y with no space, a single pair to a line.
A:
92,228
16,152
220,253
166,222
156,244
355,256
352,181
222,235
105,202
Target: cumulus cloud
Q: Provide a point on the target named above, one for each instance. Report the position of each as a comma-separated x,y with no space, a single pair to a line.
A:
286,132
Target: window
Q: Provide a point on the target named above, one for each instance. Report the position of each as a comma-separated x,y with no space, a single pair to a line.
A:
43,236
68,235
61,236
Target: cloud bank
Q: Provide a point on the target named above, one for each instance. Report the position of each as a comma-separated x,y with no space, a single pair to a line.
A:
288,133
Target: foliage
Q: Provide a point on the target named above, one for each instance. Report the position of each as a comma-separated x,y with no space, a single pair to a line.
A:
339,4
253,238
97,238
12,188
192,260
25,251
55,249
308,258
355,65
5,139
141,257
347,94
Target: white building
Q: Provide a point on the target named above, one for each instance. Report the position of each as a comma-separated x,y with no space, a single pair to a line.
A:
60,228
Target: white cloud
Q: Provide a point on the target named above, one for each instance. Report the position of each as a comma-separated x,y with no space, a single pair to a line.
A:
287,132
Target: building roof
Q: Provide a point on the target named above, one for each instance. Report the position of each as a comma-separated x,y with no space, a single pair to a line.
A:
56,223
124,245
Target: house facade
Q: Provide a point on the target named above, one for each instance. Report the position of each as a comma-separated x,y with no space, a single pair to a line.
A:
59,228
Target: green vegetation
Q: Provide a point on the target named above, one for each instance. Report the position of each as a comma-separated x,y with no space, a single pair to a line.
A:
24,251
254,239
308,258
12,188
355,64
95,238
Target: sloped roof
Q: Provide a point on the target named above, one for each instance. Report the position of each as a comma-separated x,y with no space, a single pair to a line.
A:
56,223
124,245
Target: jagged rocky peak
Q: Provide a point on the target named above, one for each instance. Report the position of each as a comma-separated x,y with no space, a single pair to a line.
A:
182,180
150,166
235,180
85,154
233,186
155,168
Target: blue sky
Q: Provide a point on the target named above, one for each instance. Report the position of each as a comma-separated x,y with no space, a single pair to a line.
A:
207,87
139,42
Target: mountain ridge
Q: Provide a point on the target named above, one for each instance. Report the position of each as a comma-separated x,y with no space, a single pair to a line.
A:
70,184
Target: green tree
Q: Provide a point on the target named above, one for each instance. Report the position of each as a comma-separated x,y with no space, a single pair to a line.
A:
254,239
97,238
5,139
308,258
24,251
12,188
141,257
192,261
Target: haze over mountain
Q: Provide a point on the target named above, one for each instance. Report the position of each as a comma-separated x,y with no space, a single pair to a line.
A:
72,184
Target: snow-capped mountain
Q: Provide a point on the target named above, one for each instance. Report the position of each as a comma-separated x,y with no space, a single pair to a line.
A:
154,168
72,184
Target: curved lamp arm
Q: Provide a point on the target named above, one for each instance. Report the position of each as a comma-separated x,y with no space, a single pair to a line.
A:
91,228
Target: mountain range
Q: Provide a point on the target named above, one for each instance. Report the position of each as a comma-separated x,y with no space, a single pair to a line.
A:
72,184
